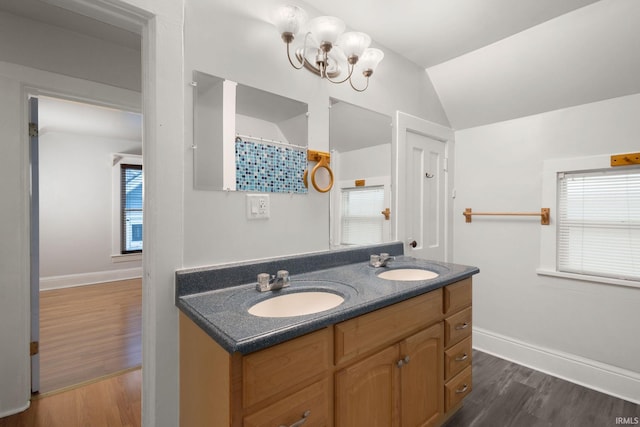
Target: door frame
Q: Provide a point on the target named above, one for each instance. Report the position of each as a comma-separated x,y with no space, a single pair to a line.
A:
111,98
405,123
131,18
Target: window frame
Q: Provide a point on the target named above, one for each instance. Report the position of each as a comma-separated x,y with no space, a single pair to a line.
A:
549,234
336,221
119,159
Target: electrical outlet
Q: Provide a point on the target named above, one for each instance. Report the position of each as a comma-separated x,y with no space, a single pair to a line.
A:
258,206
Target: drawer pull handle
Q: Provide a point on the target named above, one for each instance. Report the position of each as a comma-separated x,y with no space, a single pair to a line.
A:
300,421
459,327
461,358
463,389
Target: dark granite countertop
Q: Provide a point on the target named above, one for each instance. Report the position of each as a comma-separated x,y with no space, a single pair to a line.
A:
222,312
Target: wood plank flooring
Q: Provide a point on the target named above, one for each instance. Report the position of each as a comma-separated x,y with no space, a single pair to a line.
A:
112,402
506,394
88,332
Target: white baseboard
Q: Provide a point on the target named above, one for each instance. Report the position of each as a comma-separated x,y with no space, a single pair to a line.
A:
592,374
59,282
15,411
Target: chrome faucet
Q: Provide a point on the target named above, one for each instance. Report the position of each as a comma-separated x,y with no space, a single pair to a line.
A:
273,283
380,260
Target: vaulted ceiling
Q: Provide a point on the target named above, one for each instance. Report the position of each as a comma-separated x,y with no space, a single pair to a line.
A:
489,60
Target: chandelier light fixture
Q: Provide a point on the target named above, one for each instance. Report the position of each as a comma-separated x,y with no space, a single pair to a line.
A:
326,45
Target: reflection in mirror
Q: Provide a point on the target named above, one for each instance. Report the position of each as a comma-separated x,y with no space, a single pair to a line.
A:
246,139
360,142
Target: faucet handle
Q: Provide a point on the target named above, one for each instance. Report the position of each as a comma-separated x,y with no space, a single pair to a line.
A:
283,276
263,282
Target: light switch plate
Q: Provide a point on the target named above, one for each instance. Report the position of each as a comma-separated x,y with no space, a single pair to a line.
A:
258,206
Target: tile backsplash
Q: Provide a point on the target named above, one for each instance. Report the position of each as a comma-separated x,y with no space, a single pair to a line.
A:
269,168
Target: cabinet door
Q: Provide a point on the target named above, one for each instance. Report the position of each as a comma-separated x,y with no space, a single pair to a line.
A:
368,392
422,378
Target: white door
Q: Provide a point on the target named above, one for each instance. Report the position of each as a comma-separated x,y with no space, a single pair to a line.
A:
425,189
35,245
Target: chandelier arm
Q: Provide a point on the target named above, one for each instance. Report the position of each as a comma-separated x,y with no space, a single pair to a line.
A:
297,67
359,90
304,51
351,68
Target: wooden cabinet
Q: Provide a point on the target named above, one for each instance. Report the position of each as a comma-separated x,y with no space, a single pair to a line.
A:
401,384
457,343
368,392
422,378
405,365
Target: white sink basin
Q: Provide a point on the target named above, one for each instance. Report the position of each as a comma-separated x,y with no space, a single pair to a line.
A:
408,274
296,304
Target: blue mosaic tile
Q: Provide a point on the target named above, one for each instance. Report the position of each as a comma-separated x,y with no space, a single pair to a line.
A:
268,168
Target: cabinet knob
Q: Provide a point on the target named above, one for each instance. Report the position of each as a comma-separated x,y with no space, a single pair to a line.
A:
300,421
403,362
413,243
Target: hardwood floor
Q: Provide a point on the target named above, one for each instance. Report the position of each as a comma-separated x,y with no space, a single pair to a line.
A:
88,332
506,394
113,402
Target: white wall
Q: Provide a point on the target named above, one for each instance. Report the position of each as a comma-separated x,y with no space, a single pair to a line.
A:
586,332
215,228
76,223
45,47
365,162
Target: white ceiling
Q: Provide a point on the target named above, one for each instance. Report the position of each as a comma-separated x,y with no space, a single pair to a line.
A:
489,60
429,32
53,15
58,115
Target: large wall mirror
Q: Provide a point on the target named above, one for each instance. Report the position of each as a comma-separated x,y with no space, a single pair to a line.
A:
247,139
361,200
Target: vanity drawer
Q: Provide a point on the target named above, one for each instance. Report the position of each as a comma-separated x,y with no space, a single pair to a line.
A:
457,296
387,325
282,367
457,327
457,358
456,389
312,401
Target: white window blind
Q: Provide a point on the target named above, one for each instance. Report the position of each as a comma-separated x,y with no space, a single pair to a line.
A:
599,223
361,216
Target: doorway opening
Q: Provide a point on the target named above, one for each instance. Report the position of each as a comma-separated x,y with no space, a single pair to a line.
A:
88,183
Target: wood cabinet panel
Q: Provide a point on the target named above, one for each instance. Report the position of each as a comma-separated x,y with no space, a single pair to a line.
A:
457,327
279,368
387,325
457,388
312,401
422,377
368,392
457,296
457,358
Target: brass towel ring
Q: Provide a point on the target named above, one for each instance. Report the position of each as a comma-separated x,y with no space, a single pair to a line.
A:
323,160
322,164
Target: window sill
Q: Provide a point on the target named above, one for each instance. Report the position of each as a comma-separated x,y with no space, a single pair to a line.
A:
126,257
586,278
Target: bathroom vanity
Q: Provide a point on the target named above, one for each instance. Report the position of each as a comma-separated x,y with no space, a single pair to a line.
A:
394,353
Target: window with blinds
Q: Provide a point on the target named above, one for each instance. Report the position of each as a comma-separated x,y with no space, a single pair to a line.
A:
599,223
131,202
361,218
